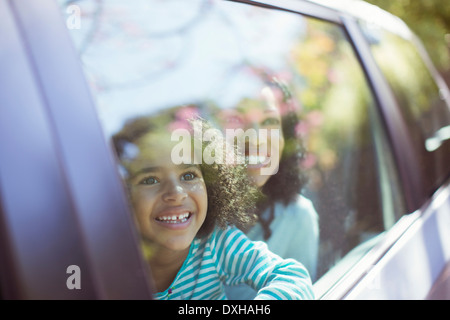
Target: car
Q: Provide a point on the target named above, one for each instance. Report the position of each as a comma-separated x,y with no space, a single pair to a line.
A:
374,120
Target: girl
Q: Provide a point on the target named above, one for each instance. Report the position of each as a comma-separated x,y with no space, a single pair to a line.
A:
187,213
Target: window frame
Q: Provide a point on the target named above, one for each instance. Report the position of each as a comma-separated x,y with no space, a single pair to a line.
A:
431,180
94,228
396,128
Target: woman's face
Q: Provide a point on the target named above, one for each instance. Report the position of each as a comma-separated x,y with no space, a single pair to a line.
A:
262,119
170,201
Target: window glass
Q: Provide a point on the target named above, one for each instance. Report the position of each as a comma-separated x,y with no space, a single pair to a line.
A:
420,99
349,162
331,189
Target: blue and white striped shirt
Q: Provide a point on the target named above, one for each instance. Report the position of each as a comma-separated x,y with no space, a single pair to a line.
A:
228,256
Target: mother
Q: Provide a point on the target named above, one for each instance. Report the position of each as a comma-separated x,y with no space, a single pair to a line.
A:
287,220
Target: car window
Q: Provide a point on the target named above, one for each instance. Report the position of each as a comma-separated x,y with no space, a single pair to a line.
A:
336,189
352,175
422,102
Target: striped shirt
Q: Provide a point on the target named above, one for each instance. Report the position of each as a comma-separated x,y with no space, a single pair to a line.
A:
229,257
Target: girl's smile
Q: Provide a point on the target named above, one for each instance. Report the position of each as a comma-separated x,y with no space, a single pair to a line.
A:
175,219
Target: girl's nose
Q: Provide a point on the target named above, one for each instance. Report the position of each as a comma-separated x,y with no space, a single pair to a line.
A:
174,193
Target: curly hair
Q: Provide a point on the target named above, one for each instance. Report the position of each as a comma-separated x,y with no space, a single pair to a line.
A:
231,197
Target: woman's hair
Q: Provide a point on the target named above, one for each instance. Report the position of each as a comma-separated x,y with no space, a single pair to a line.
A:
231,197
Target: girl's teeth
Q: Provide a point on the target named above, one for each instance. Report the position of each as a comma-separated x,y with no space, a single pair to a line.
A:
174,219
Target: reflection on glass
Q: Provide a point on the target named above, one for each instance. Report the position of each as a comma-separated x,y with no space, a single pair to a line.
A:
298,86
184,210
287,220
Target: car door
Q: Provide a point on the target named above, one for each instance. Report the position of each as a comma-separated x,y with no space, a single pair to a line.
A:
77,69
66,232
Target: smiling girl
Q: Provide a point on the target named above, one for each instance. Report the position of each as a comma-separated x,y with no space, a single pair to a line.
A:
188,214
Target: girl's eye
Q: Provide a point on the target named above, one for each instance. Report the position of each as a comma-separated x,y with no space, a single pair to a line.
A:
149,181
270,122
188,176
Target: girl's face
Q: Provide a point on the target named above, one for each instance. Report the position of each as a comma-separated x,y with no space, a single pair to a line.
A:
170,201
258,115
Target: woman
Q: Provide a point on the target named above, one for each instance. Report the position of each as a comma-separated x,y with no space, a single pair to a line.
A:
287,221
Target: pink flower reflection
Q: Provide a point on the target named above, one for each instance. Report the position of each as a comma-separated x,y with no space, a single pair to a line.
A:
179,124
315,118
309,161
182,117
187,112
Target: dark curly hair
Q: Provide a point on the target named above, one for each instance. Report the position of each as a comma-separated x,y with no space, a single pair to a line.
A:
231,197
